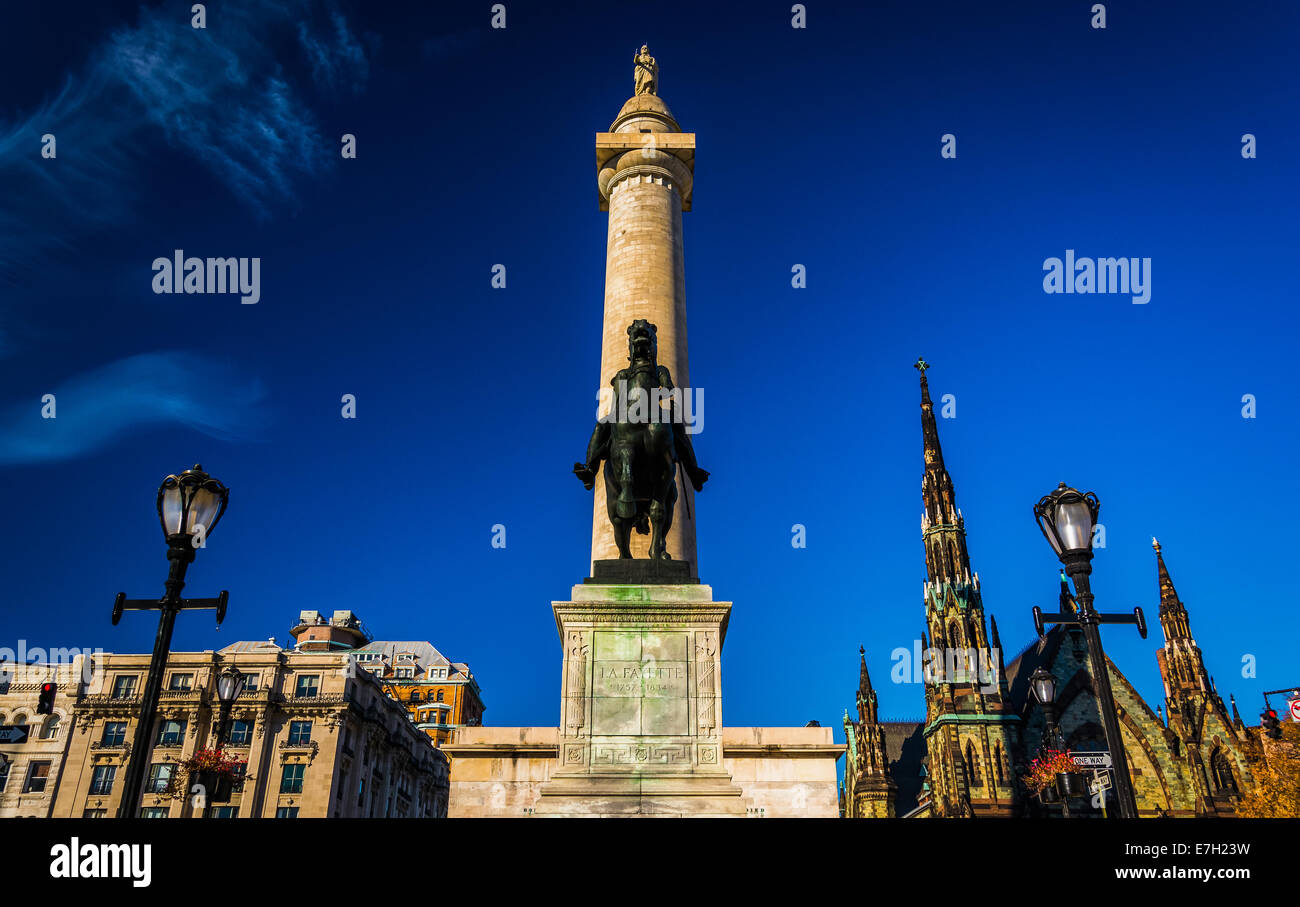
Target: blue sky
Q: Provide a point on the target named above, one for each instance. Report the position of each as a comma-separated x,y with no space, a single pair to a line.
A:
817,147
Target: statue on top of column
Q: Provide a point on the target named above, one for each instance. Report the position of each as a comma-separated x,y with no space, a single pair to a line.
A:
647,72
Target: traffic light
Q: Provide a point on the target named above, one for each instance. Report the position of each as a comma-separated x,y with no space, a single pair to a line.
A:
45,705
1272,727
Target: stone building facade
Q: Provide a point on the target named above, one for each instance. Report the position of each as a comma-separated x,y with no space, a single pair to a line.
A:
30,771
320,739
1189,758
438,694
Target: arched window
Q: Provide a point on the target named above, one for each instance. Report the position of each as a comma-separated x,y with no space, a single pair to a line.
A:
972,766
50,729
997,762
1221,770
440,695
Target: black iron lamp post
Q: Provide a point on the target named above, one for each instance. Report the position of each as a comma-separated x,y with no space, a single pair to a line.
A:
230,683
189,507
1043,687
1066,518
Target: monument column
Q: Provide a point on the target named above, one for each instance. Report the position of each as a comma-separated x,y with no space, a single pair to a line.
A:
645,167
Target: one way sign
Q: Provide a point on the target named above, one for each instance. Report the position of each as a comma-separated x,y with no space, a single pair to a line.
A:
13,733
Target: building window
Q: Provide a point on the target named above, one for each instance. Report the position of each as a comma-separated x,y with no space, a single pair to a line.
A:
37,774
415,695
291,778
299,733
160,777
250,683
153,812
361,793
440,695
286,812
114,733
4,775
94,814
241,732
171,732
237,776
308,685
50,729
224,812
124,686
1221,769
5,679
181,682
101,781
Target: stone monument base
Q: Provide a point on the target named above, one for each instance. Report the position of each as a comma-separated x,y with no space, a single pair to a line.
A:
640,730
782,772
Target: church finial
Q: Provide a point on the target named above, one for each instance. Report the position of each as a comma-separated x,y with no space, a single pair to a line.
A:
646,72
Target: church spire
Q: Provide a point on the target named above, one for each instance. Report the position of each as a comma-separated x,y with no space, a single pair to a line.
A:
942,525
1180,660
873,790
1173,615
867,706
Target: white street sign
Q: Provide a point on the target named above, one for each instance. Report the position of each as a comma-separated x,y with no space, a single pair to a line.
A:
1092,760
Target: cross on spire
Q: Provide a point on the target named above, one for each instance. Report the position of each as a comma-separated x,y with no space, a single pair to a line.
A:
921,365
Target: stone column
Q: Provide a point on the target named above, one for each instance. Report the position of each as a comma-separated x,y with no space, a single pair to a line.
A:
645,166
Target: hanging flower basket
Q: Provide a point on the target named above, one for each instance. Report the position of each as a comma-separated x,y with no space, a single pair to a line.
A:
212,769
218,785
1055,774
1070,784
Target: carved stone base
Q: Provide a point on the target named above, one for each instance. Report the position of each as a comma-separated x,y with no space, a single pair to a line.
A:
641,703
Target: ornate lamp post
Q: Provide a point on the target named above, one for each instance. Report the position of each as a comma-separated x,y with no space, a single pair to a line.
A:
1066,518
189,507
230,684
1043,687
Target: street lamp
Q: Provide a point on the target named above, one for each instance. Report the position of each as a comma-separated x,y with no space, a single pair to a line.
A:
1066,518
230,683
1043,687
189,507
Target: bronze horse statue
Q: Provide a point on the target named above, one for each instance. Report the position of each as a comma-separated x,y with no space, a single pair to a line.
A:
641,444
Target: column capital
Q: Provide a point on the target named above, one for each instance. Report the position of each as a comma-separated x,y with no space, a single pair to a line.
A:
670,155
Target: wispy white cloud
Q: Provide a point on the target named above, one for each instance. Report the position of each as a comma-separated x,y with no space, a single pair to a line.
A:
337,60
217,94
98,407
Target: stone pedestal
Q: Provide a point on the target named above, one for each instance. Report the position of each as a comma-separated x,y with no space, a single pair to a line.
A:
641,703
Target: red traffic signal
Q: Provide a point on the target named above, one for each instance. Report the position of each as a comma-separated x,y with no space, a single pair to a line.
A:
1268,721
45,705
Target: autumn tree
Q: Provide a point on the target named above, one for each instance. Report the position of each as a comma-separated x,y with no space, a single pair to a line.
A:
1276,794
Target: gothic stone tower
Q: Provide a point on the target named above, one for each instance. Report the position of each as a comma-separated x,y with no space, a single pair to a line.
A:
645,168
871,786
1213,745
971,730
